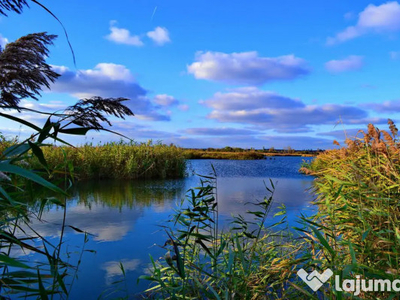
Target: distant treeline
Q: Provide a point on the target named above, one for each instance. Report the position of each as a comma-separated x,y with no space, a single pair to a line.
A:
241,153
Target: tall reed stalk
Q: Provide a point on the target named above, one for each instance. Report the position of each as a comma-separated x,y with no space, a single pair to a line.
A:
204,262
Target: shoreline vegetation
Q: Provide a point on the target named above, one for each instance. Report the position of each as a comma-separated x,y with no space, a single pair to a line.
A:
121,160
242,154
355,234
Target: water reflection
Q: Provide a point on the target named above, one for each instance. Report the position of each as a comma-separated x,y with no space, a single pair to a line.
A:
129,194
124,217
235,196
113,268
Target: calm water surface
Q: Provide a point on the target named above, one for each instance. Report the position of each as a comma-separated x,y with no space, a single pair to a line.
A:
123,217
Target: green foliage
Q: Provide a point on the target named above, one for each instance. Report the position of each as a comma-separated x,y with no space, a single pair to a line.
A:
117,161
249,261
356,230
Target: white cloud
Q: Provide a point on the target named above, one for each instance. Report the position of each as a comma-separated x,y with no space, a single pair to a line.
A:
123,36
3,41
250,98
165,100
384,18
108,80
246,67
271,111
350,63
105,79
159,35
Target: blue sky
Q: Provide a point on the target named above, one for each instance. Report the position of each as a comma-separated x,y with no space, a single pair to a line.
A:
219,73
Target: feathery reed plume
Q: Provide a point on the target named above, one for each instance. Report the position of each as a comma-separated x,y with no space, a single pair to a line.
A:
393,128
389,141
373,132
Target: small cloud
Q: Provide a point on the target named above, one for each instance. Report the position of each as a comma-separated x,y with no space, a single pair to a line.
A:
394,55
384,18
183,107
159,35
392,106
246,67
350,63
165,100
123,36
3,41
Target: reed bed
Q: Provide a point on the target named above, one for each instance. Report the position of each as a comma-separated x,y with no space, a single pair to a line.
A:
358,189
118,160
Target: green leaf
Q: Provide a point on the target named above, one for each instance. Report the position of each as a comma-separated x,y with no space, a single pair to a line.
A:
22,121
12,262
323,241
42,290
76,229
44,133
38,153
60,281
365,234
6,195
213,291
6,167
352,254
16,150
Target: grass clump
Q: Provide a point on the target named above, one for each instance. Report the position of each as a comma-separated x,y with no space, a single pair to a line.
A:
119,160
358,188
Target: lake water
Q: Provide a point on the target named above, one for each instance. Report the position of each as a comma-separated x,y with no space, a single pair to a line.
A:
123,217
